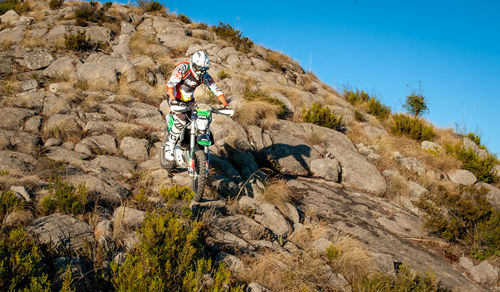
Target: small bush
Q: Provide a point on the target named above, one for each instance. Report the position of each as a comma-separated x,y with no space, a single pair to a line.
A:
80,42
412,127
356,97
15,5
282,113
151,6
183,18
482,168
169,258
177,193
376,108
8,202
323,116
359,116
222,75
464,217
108,5
21,263
91,12
233,36
416,104
56,4
64,198
372,105
476,139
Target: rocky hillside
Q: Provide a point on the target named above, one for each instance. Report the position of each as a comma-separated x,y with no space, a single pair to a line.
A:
359,205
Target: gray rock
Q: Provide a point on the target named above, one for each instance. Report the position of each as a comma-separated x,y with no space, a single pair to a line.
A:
64,155
246,202
62,232
260,65
116,164
19,141
108,192
326,168
218,206
466,263
471,145
63,123
224,186
202,34
63,68
241,226
128,218
321,245
9,17
13,118
141,88
462,177
127,28
416,190
155,123
274,220
374,133
29,84
136,110
100,34
176,40
38,59
134,149
290,212
6,64
432,147
256,287
12,36
28,100
33,124
21,193
16,163
484,273
103,71
493,194
130,240
100,144
233,263
55,105
412,164
98,127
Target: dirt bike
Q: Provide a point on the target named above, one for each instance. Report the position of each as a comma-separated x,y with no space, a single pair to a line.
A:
191,149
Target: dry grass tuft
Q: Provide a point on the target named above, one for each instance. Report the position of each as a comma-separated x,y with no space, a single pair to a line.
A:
277,193
258,113
314,137
298,272
139,43
349,257
129,130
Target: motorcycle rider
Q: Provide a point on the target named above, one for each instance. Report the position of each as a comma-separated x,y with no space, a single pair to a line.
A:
186,77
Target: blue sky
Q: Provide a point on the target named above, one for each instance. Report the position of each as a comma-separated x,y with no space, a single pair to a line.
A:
451,48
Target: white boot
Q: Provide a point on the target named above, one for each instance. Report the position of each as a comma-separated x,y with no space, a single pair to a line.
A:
169,148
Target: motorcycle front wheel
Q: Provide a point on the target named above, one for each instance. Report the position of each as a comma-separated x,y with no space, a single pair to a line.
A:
199,174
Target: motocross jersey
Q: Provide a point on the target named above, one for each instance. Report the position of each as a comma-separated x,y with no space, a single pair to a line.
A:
184,82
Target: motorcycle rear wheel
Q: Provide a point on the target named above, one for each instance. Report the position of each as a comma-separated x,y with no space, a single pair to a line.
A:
199,174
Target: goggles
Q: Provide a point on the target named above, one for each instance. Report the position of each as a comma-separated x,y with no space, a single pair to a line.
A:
201,69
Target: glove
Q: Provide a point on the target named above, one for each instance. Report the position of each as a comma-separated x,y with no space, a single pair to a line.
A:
173,102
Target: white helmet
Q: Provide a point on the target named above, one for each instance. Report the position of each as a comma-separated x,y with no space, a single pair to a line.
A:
199,62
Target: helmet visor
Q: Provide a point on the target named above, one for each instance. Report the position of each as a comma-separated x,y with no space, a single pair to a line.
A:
199,69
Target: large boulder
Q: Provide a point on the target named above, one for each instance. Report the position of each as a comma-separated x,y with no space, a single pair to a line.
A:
432,147
134,148
326,168
484,273
19,141
9,17
64,68
13,118
129,218
471,145
17,163
272,218
63,124
493,194
99,144
105,71
107,191
115,164
29,100
62,232
55,105
37,59
462,177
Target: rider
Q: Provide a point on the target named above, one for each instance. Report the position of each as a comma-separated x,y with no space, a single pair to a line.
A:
180,88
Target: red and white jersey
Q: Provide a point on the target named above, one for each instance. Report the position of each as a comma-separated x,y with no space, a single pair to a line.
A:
184,82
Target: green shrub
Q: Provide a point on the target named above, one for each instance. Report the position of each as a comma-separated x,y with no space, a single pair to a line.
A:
21,263
108,4
359,116
177,193
15,5
482,168
356,97
465,218
404,280
183,18
376,108
91,12
222,75
233,36
151,6
415,104
323,116
80,42
56,4
8,202
412,127
373,105
169,258
476,139
64,198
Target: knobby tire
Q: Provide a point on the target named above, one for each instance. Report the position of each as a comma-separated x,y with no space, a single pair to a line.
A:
200,174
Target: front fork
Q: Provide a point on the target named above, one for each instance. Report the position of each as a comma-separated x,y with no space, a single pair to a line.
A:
192,147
